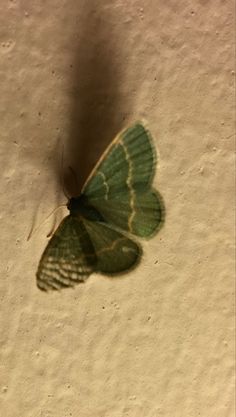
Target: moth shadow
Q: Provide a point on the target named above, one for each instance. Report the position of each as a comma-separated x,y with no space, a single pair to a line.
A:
95,95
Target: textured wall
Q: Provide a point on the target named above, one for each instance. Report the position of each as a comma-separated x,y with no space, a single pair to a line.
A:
159,341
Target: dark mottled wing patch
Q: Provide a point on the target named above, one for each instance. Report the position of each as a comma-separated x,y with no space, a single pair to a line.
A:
69,257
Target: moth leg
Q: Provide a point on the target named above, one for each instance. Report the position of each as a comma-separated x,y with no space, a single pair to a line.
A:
53,228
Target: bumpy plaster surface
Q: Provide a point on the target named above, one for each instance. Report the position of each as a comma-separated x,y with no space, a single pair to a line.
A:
158,342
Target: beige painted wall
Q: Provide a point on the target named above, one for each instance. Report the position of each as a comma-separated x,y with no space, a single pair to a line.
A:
159,341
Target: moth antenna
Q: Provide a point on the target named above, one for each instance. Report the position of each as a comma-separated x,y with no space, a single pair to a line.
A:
33,231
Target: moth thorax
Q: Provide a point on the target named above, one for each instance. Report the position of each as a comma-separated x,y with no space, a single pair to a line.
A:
79,206
73,205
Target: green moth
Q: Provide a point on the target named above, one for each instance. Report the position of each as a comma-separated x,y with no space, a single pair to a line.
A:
117,202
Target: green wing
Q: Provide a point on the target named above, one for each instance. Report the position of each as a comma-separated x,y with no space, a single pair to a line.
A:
119,187
80,247
69,257
115,252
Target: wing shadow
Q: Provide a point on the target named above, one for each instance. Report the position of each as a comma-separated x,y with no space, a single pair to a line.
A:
95,95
